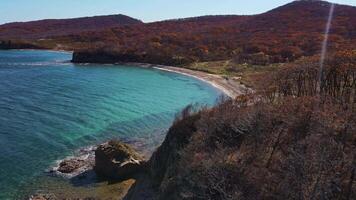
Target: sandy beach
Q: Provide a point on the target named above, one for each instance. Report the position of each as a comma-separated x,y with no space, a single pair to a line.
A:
229,87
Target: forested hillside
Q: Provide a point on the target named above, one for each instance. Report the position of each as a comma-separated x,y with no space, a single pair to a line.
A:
281,35
45,29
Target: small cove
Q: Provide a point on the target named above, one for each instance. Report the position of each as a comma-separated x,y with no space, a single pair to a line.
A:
50,107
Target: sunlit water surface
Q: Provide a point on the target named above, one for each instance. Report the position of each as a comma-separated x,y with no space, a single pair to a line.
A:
50,107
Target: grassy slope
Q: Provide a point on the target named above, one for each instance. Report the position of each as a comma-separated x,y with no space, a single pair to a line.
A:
247,74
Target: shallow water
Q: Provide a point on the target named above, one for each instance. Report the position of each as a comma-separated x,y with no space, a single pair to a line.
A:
50,107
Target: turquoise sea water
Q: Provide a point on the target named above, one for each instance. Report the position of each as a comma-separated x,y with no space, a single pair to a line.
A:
50,107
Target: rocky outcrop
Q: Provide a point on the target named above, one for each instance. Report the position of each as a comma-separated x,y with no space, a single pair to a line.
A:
116,160
80,162
71,165
117,56
43,197
163,165
163,161
8,44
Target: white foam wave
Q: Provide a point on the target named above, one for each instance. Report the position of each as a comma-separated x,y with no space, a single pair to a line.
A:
85,155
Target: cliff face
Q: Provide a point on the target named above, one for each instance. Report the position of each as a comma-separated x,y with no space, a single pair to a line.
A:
163,163
112,56
8,44
284,151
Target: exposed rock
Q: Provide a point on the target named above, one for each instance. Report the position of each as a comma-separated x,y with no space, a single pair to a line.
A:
43,197
163,161
116,160
82,161
69,166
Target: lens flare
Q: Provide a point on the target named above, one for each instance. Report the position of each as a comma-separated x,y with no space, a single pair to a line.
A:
324,48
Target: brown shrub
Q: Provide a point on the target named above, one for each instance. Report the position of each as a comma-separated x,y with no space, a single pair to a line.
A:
287,150
295,140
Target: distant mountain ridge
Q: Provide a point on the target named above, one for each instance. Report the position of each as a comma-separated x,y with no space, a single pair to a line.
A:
283,34
280,35
55,27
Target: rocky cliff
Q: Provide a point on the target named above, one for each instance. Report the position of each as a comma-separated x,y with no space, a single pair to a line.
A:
284,151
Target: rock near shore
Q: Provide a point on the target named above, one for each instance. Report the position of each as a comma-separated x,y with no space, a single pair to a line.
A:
82,161
116,160
43,197
70,166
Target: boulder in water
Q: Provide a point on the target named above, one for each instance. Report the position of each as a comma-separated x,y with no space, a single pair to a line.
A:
71,165
117,160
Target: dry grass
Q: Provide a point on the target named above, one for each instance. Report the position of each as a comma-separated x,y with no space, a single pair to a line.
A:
297,145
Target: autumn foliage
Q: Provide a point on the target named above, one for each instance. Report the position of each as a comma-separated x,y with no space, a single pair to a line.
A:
290,141
47,29
282,35
336,80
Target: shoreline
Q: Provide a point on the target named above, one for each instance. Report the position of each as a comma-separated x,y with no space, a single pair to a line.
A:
49,50
229,87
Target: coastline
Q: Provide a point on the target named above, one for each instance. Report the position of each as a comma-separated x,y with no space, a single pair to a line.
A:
49,50
229,87
83,175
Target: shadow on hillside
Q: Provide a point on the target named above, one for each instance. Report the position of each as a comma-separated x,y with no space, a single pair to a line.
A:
85,179
142,189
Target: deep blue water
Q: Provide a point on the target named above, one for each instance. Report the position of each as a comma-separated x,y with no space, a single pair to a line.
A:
50,107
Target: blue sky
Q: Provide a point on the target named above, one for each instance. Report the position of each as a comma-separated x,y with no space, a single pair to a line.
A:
146,10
